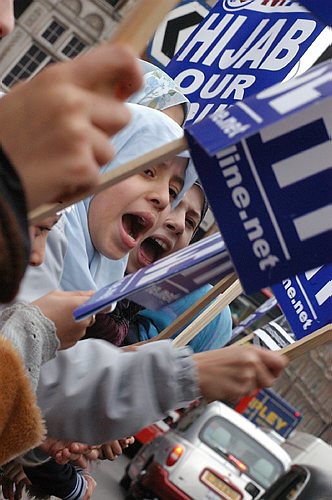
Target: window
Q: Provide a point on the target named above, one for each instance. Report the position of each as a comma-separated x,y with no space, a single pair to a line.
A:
33,59
73,47
113,2
227,439
53,32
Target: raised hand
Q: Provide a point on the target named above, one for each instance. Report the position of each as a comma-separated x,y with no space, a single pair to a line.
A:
58,306
58,124
236,371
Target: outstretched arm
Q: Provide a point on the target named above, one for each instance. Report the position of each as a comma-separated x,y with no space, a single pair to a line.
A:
95,393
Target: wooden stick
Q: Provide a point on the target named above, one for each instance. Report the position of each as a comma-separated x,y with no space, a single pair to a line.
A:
119,174
140,24
186,316
315,339
208,315
299,347
245,339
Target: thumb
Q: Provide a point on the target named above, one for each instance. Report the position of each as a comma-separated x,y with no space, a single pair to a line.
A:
85,293
79,293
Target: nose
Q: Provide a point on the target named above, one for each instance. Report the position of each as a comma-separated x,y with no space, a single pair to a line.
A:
175,223
160,199
37,255
36,259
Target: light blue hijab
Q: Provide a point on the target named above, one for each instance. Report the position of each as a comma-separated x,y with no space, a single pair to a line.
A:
160,91
84,267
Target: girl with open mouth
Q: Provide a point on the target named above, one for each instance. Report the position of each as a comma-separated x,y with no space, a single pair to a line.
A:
101,230
175,233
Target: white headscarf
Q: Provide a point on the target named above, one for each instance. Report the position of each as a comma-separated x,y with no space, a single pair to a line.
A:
159,90
84,267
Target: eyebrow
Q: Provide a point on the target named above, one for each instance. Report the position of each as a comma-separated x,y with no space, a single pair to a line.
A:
194,213
176,178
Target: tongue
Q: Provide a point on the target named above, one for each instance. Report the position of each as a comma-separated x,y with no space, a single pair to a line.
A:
149,250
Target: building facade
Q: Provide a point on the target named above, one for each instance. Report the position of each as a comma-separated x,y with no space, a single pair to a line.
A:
55,30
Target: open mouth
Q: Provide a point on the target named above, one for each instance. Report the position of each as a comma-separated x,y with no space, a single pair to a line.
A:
152,249
136,225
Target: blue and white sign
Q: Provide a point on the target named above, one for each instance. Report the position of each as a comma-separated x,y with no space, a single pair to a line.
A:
265,165
306,300
166,280
242,47
321,8
269,410
255,316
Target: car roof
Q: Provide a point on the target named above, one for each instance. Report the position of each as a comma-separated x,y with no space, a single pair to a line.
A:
219,408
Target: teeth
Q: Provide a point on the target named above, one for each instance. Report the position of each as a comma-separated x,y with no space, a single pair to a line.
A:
142,221
161,243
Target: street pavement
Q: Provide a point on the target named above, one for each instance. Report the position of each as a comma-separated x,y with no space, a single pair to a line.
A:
108,474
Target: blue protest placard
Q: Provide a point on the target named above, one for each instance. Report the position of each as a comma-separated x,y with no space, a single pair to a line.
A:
265,165
242,47
269,410
166,280
306,300
255,316
321,8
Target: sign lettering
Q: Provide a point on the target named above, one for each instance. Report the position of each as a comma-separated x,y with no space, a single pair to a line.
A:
241,48
266,163
306,300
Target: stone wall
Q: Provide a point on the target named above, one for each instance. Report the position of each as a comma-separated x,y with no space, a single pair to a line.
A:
307,385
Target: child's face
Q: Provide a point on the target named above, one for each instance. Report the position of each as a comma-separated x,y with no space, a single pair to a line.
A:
174,233
7,20
38,237
120,216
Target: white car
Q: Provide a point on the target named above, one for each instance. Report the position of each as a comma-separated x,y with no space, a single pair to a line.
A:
213,453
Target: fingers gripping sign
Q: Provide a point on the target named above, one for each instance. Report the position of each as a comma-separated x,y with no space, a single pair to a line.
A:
58,306
242,370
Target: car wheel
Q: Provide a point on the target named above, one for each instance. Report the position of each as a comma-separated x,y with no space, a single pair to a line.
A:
125,482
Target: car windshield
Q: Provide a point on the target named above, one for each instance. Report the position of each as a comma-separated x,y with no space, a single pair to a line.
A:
235,445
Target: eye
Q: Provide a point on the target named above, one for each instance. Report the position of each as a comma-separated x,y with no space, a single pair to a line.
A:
191,223
44,230
149,172
173,193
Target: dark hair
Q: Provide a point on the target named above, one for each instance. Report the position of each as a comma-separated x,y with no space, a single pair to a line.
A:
205,202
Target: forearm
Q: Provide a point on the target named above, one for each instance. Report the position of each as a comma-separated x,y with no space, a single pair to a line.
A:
32,334
109,393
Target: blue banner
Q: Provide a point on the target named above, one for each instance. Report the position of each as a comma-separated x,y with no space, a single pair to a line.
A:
306,300
242,47
166,280
265,165
268,409
255,316
321,8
